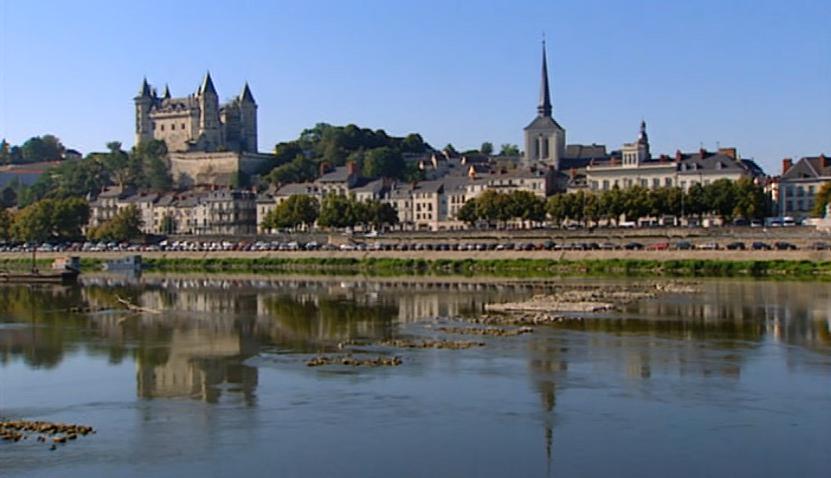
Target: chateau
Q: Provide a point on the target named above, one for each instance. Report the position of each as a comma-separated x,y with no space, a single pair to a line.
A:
207,142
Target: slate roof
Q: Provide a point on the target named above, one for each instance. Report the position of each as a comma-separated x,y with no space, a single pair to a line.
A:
544,122
809,167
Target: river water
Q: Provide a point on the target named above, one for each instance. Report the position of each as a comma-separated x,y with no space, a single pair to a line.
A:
734,380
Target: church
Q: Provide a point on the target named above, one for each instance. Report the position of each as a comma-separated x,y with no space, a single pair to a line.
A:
591,167
207,142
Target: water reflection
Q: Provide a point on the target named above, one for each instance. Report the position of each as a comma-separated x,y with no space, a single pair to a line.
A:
209,327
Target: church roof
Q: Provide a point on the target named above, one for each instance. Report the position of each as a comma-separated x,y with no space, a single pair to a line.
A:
144,90
544,122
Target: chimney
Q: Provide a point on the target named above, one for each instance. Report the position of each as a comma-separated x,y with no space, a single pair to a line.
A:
351,168
573,173
729,152
823,161
787,164
678,156
323,168
703,153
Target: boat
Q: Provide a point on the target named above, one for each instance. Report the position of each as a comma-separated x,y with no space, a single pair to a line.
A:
64,270
126,264
67,276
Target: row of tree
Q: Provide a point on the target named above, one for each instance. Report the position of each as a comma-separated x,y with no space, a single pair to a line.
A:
46,220
335,211
742,199
496,208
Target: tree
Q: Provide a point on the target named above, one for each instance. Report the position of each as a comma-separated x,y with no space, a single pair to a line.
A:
380,214
48,219
696,201
41,148
383,162
493,206
124,226
721,197
450,150
751,201
509,150
556,208
295,211
527,206
823,198
5,224
69,216
337,211
468,212
149,167
117,162
486,148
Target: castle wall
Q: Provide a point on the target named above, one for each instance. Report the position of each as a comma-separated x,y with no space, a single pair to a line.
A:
218,168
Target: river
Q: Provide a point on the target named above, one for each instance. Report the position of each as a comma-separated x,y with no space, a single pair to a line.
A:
732,380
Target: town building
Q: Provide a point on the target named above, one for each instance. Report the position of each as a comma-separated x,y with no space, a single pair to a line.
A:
799,184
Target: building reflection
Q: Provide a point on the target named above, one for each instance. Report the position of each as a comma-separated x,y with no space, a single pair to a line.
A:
207,328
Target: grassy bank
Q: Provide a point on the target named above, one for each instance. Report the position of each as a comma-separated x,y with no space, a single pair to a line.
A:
515,267
506,267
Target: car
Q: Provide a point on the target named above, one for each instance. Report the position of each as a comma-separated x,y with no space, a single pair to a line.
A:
735,246
784,246
756,223
683,246
627,224
820,246
609,246
658,246
760,246
709,246
632,246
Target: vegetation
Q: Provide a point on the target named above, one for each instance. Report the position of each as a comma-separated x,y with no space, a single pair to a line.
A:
822,200
375,153
143,168
124,226
51,219
5,224
297,210
508,267
35,150
338,211
497,208
509,150
724,198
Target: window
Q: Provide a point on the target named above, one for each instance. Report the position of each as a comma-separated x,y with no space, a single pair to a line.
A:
162,126
183,126
656,182
667,182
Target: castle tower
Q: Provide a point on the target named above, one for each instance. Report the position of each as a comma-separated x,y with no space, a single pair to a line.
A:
210,132
545,139
248,120
144,103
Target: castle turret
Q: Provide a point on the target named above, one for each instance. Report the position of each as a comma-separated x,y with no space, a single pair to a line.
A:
248,120
144,103
210,132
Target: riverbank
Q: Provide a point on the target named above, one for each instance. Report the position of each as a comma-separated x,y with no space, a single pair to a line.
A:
694,263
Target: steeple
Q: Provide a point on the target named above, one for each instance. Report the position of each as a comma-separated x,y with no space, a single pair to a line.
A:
246,95
166,94
544,108
642,137
144,91
207,85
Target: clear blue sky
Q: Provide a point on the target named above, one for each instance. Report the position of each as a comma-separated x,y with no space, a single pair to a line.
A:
755,74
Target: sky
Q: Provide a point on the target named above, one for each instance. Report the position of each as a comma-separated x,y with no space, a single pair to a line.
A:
753,74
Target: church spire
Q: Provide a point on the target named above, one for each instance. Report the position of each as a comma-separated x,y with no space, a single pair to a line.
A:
544,108
166,94
643,138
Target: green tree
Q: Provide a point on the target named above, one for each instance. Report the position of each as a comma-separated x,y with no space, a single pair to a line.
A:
721,197
494,207
42,148
337,211
296,210
822,199
509,150
526,206
149,166
383,162
469,212
556,208
486,148
380,214
751,202
124,226
5,224
696,201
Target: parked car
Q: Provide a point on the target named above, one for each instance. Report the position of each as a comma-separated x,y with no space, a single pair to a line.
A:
683,245
633,246
820,246
736,246
760,246
709,246
784,246
658,246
